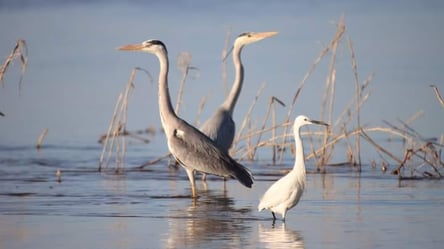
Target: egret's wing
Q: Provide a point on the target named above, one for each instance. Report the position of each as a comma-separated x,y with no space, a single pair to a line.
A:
276,194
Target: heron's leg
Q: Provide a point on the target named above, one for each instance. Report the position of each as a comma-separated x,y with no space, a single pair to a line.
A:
190,174
204,177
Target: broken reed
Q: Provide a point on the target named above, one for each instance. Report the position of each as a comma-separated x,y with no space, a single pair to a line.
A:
20,52
114,141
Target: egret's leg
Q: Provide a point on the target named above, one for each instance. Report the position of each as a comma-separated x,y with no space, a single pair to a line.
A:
190,174
274,216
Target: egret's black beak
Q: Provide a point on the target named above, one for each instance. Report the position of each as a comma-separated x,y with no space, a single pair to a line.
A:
319,122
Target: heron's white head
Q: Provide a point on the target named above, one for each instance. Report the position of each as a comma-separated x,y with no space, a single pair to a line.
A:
302,120
150,46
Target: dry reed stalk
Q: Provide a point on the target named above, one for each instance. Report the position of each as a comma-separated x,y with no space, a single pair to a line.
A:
438,95
108,133
183,63
202,103
426,153
270,108
271,142
411,134
329,90
307,75
152,162
41,138
324,52
378,147
225,52
115,139
273,131
338,137
348,108
358,97
130,134
19,51
246,119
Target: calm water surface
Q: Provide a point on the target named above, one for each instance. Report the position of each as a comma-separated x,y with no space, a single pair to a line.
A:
151,208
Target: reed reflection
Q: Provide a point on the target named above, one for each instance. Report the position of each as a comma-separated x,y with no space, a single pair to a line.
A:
279,236
213,217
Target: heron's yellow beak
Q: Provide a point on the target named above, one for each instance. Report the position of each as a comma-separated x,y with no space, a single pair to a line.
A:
263,35
131,47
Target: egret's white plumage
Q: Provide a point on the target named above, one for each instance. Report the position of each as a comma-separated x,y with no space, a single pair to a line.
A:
287,191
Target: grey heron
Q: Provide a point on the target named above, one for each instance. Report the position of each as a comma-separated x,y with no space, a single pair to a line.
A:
220,127
285,193
189,146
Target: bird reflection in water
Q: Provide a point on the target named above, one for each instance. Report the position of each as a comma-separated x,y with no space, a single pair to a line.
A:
280,237
213,217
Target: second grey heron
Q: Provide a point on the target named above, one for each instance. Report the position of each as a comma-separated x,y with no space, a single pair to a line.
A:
189,146
220,127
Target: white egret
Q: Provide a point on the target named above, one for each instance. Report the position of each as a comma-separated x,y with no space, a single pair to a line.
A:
285,193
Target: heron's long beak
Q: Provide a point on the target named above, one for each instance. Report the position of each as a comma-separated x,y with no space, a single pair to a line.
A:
131,47
319,122
263,35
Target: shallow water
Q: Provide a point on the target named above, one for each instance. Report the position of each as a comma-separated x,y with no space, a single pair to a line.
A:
152,208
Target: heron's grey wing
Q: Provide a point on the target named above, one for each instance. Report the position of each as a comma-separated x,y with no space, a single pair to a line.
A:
221,129
195,150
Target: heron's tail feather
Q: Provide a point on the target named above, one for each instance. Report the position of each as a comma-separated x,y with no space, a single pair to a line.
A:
244,176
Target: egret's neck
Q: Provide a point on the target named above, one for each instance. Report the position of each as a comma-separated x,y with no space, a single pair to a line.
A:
231,100
299,164
165,106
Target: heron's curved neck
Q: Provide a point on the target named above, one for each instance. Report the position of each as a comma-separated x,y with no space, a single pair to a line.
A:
165,106
299,164
231,100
